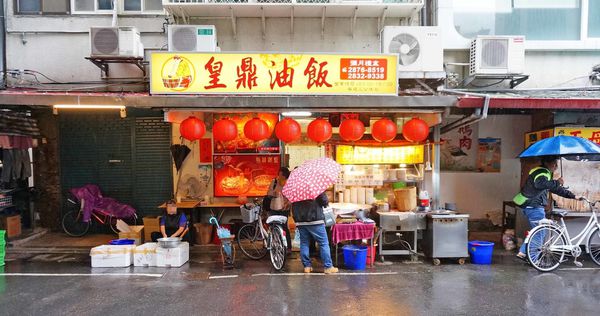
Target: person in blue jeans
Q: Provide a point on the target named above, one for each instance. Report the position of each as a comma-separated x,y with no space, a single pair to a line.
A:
310,220
533,197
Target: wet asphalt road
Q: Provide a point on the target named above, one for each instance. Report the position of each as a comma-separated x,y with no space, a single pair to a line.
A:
70,287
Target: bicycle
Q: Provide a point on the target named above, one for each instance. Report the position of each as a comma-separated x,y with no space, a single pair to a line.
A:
549,242
255,240
74,226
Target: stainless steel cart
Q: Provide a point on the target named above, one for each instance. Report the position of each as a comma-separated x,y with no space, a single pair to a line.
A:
399,222
446,237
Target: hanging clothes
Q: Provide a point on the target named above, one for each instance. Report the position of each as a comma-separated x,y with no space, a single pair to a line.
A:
16,165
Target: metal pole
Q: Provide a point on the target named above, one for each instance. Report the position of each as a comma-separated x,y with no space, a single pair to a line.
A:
435,175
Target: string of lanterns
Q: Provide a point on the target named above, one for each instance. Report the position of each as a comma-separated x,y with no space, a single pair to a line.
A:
319,130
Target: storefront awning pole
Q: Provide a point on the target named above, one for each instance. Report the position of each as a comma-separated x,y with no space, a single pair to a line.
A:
435,175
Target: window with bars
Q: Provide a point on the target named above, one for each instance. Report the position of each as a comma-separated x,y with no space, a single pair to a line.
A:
42,7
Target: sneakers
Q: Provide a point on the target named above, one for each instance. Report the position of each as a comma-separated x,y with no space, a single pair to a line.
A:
331,270
308,269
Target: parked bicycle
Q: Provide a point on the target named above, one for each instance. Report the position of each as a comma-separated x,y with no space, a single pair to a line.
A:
257,238
73,221
549,243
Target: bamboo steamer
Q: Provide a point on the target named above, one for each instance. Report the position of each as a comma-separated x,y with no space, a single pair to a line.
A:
406,199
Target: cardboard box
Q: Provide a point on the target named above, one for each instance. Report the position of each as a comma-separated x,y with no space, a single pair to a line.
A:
136,233
12,225
150,226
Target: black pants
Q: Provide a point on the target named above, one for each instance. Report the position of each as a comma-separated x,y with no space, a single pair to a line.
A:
288,235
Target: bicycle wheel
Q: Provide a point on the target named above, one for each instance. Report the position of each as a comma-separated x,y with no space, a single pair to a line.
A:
278,247
593,245
111,221
545,249
73,225
251,242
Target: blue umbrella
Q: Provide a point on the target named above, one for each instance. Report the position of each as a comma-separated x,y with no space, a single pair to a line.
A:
561,146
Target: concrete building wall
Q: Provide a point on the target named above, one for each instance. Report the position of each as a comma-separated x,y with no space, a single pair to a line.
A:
480,193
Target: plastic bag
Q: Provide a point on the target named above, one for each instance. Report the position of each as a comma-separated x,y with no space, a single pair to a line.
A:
508,239
296,241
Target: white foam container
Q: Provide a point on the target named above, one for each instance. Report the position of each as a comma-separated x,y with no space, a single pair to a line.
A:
173,257
145,255
112,256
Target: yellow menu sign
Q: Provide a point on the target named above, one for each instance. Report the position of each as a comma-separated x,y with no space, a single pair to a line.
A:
379,155
591,133
253,73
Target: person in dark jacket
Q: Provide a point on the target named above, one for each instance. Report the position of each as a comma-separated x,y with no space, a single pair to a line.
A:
533,197
310,220
172,223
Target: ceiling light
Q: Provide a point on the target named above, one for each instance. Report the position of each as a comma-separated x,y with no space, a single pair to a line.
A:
121,108
297,114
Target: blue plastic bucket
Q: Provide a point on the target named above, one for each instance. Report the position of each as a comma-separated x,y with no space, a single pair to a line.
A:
355,257
481,251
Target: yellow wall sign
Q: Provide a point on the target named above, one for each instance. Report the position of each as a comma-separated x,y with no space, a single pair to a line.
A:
590,133
252,73
379,155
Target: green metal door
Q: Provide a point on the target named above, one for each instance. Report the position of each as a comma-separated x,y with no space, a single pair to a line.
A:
128,158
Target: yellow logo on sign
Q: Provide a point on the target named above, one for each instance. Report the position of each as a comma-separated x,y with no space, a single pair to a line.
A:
177,73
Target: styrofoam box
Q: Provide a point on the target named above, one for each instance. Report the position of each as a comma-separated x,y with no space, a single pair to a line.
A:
173,257
145,255
110,256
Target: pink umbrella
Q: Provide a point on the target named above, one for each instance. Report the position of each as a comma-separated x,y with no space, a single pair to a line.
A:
310,179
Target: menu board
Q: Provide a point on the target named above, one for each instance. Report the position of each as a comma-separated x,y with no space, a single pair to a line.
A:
244,145
248,175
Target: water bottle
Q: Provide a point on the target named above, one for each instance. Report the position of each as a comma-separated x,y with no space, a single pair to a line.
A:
424,200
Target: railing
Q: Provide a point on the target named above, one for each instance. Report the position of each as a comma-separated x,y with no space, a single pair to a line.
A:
289,1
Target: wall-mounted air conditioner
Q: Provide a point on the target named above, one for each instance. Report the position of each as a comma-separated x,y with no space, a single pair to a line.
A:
419,48
496,55
121,41
192,38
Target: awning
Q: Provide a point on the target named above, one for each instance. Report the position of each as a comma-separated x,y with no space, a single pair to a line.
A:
537,99
238,102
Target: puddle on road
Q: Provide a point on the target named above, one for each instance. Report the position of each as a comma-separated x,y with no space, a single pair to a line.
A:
195,276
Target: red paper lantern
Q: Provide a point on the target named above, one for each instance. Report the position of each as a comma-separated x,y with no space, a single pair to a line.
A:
319,130
352,130
384,130
415,130
225,130
192,128
288,130
256,129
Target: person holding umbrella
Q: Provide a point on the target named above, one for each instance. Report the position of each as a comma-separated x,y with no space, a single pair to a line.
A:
305,189
533,197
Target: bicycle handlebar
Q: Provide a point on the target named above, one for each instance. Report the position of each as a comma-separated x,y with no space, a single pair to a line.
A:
583,198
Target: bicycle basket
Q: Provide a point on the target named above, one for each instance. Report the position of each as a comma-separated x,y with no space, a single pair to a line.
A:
249,213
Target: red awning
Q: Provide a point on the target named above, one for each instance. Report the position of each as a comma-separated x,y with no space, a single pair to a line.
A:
530,103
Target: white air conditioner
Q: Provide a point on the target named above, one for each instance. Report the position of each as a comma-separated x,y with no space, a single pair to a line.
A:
121,41
192,38
497,55
419,49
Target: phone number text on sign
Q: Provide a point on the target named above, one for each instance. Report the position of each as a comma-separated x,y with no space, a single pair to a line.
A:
363,69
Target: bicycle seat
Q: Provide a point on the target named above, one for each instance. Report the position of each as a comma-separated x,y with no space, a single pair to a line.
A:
277,219
559,213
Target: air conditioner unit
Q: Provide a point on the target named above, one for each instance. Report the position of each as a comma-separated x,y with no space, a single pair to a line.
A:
192,38
497,55
121,41
419,49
